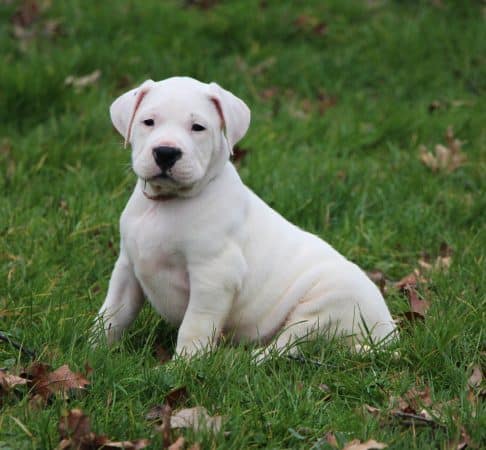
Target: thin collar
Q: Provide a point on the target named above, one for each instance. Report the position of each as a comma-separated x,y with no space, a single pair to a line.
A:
159,197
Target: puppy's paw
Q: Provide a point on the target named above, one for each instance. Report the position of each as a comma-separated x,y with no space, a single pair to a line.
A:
189,349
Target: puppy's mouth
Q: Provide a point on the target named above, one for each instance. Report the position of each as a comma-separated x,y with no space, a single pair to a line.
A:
164,184
160,176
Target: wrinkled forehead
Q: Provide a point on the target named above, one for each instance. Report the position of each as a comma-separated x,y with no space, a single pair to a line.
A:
179,99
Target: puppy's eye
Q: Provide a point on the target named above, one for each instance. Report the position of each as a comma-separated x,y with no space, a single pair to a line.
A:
149,122
197,127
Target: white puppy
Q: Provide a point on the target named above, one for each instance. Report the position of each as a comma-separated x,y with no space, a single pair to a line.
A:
208,253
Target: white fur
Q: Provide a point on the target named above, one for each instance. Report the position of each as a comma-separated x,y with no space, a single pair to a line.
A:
211,256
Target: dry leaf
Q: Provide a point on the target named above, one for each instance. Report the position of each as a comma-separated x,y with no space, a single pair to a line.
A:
61,380
331,439
474,390
75,433
81,82
417,305
325,101
269,93
9,381
447,158
441,263
263,66
165,428
26,14
75,426
136,444
409,283
52,28
476,378
6,157
162,354
412,279
173,399
196,418
356,444
310,24
372,410
414,408
178,444
324,388
201,4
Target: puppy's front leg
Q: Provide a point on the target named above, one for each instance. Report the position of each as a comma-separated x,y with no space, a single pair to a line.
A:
123,301
213,287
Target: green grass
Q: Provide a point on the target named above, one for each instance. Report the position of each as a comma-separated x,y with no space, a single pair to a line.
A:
352,175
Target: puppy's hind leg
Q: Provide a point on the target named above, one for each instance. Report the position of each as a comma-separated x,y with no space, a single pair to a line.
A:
296,330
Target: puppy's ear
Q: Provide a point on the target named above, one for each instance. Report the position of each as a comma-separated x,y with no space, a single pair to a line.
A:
235,115
123,109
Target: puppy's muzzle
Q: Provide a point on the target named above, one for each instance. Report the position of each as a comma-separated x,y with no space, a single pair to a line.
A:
166,157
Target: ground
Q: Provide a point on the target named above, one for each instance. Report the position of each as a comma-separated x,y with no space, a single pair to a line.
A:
343,97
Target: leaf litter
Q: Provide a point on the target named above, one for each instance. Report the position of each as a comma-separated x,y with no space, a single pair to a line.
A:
446,158
75,433
45,383
415,282
356,444
196,418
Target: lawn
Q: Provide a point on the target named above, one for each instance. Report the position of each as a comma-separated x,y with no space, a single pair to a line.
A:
343,94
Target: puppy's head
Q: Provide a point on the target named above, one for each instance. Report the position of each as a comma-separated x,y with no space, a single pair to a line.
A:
181,131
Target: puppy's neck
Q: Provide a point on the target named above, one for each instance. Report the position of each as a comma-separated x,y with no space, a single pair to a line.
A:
159,197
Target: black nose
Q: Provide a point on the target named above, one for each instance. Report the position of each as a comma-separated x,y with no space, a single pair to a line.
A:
166,157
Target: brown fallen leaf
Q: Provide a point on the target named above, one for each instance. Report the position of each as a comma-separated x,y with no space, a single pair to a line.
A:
156,413
196,418
331,439
372,410
310,24
418,398
412,279
75,433
416,407
162,354
7,158
269,93
9,381
263,66
178,444
356,444
476,378
325,101
474,389
465,441
75,427
447,158
136,444
26,14
440,264
52,28
83,81
62,380
165,429
417,305
173,399
409,284
201,4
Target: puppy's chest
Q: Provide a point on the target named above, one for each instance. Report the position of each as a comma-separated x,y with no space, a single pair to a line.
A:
159,265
